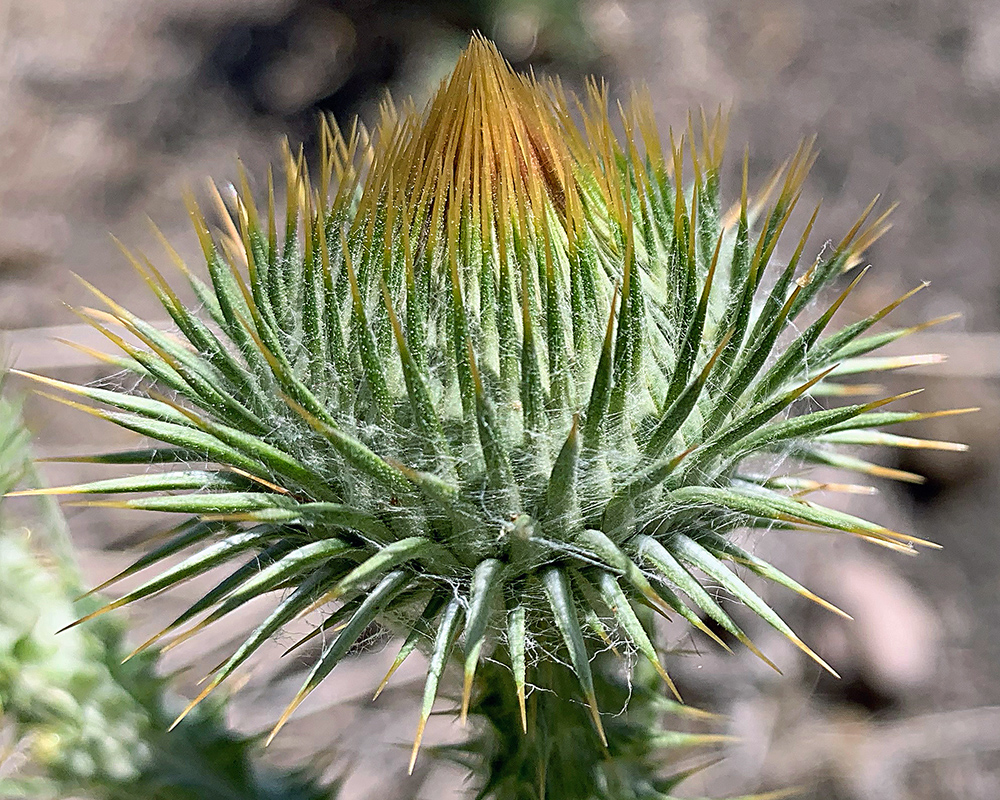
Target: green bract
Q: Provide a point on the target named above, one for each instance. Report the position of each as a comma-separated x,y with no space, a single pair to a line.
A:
88,724
494,381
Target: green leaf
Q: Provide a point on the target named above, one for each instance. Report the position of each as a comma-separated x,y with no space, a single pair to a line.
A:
723,548
276,574
486,582
561,602
806,425
451,618
287,610
883,439
371,360
146,456
746,423
200,562
608,553
516,640
211,503
680,409
498,469
560,495
188,533
422,629
697,556
250,568
420,399
357,525
691,344
831,347
674,572
372,605
153,482
275,461
142,406
616,600
387,558
600,391
357,454
762,503
794,359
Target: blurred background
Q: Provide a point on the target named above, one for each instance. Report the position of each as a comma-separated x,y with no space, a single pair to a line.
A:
112,108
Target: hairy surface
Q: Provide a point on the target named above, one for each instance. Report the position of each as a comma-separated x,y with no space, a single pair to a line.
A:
500,380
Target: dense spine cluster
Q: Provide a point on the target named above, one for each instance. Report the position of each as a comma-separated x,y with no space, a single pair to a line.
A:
76,720
498,380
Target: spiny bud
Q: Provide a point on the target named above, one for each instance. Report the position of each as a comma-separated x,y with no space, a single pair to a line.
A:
496,381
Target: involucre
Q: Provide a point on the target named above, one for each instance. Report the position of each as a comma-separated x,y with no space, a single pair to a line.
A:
496,379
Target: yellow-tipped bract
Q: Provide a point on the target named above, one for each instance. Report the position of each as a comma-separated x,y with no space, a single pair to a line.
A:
495,379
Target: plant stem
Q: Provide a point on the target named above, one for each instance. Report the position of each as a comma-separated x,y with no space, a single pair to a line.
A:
561,757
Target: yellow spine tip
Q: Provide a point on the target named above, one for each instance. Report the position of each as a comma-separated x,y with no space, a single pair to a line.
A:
416,743
523,709
385,680
745,640
668,680
595,714
466,696
286,714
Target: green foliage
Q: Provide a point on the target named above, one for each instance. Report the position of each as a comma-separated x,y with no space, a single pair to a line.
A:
498,380
89,724
562,754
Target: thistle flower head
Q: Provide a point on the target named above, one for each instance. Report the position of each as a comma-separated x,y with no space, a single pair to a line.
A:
497,379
